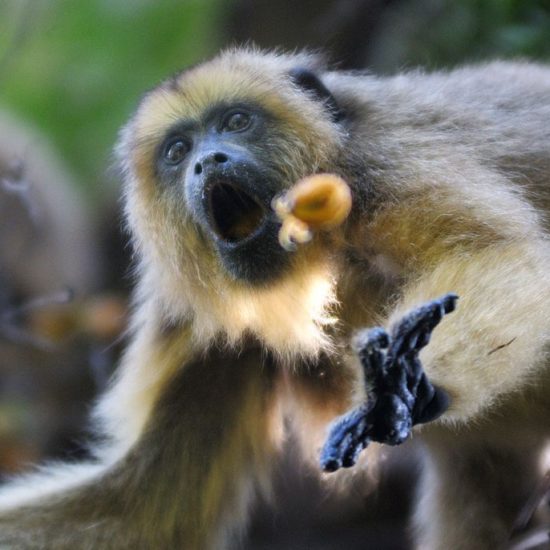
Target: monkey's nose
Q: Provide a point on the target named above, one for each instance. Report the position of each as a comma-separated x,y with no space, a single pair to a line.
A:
210,159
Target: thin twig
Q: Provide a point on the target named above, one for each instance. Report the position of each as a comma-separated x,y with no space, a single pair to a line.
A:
501,346
10,329
15,182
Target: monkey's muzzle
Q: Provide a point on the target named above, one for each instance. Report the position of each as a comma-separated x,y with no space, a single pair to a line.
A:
234,214
243,228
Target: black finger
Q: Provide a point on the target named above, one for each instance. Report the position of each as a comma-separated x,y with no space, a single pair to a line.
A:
345,441
413,332
370,346
390,421
425,392
435,408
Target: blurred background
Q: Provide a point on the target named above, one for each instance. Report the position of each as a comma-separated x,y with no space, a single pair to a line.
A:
70,75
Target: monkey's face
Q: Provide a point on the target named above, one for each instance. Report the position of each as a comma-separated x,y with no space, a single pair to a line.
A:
221,164
204,156
207,152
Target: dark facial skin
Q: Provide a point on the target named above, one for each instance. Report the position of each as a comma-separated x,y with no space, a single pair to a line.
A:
223,165
223,172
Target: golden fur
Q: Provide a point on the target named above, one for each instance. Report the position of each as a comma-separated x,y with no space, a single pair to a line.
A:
450,178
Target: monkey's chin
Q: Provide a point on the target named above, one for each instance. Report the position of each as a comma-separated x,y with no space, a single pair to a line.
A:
245,233
259,259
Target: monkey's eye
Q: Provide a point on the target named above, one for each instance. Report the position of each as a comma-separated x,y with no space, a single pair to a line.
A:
236,122
175,151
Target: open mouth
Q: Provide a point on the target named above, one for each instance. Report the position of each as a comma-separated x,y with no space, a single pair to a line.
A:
235,214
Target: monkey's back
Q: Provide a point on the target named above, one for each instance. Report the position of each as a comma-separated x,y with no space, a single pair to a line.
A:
495,114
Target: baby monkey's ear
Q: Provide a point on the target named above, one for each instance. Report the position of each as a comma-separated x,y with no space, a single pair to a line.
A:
309,81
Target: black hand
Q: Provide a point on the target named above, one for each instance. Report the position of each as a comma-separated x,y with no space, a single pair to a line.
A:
399,395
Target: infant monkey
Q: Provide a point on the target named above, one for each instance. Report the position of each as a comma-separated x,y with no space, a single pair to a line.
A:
449,175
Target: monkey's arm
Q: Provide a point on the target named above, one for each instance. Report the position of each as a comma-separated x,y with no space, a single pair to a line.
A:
491,346
188,473
472,234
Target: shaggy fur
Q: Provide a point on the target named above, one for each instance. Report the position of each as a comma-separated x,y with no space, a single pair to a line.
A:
450,176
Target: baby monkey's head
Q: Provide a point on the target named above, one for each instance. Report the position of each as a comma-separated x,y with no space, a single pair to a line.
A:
206,153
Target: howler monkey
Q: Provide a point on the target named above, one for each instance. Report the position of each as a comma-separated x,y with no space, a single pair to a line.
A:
450,177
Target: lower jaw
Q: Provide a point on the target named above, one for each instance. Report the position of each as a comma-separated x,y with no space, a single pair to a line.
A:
257,261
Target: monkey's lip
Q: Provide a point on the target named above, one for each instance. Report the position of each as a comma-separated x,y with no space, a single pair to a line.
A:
235,215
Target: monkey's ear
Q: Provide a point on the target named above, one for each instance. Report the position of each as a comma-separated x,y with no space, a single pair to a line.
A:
309,81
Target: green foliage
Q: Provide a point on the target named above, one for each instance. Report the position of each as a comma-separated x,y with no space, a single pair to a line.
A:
77,68
454,31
